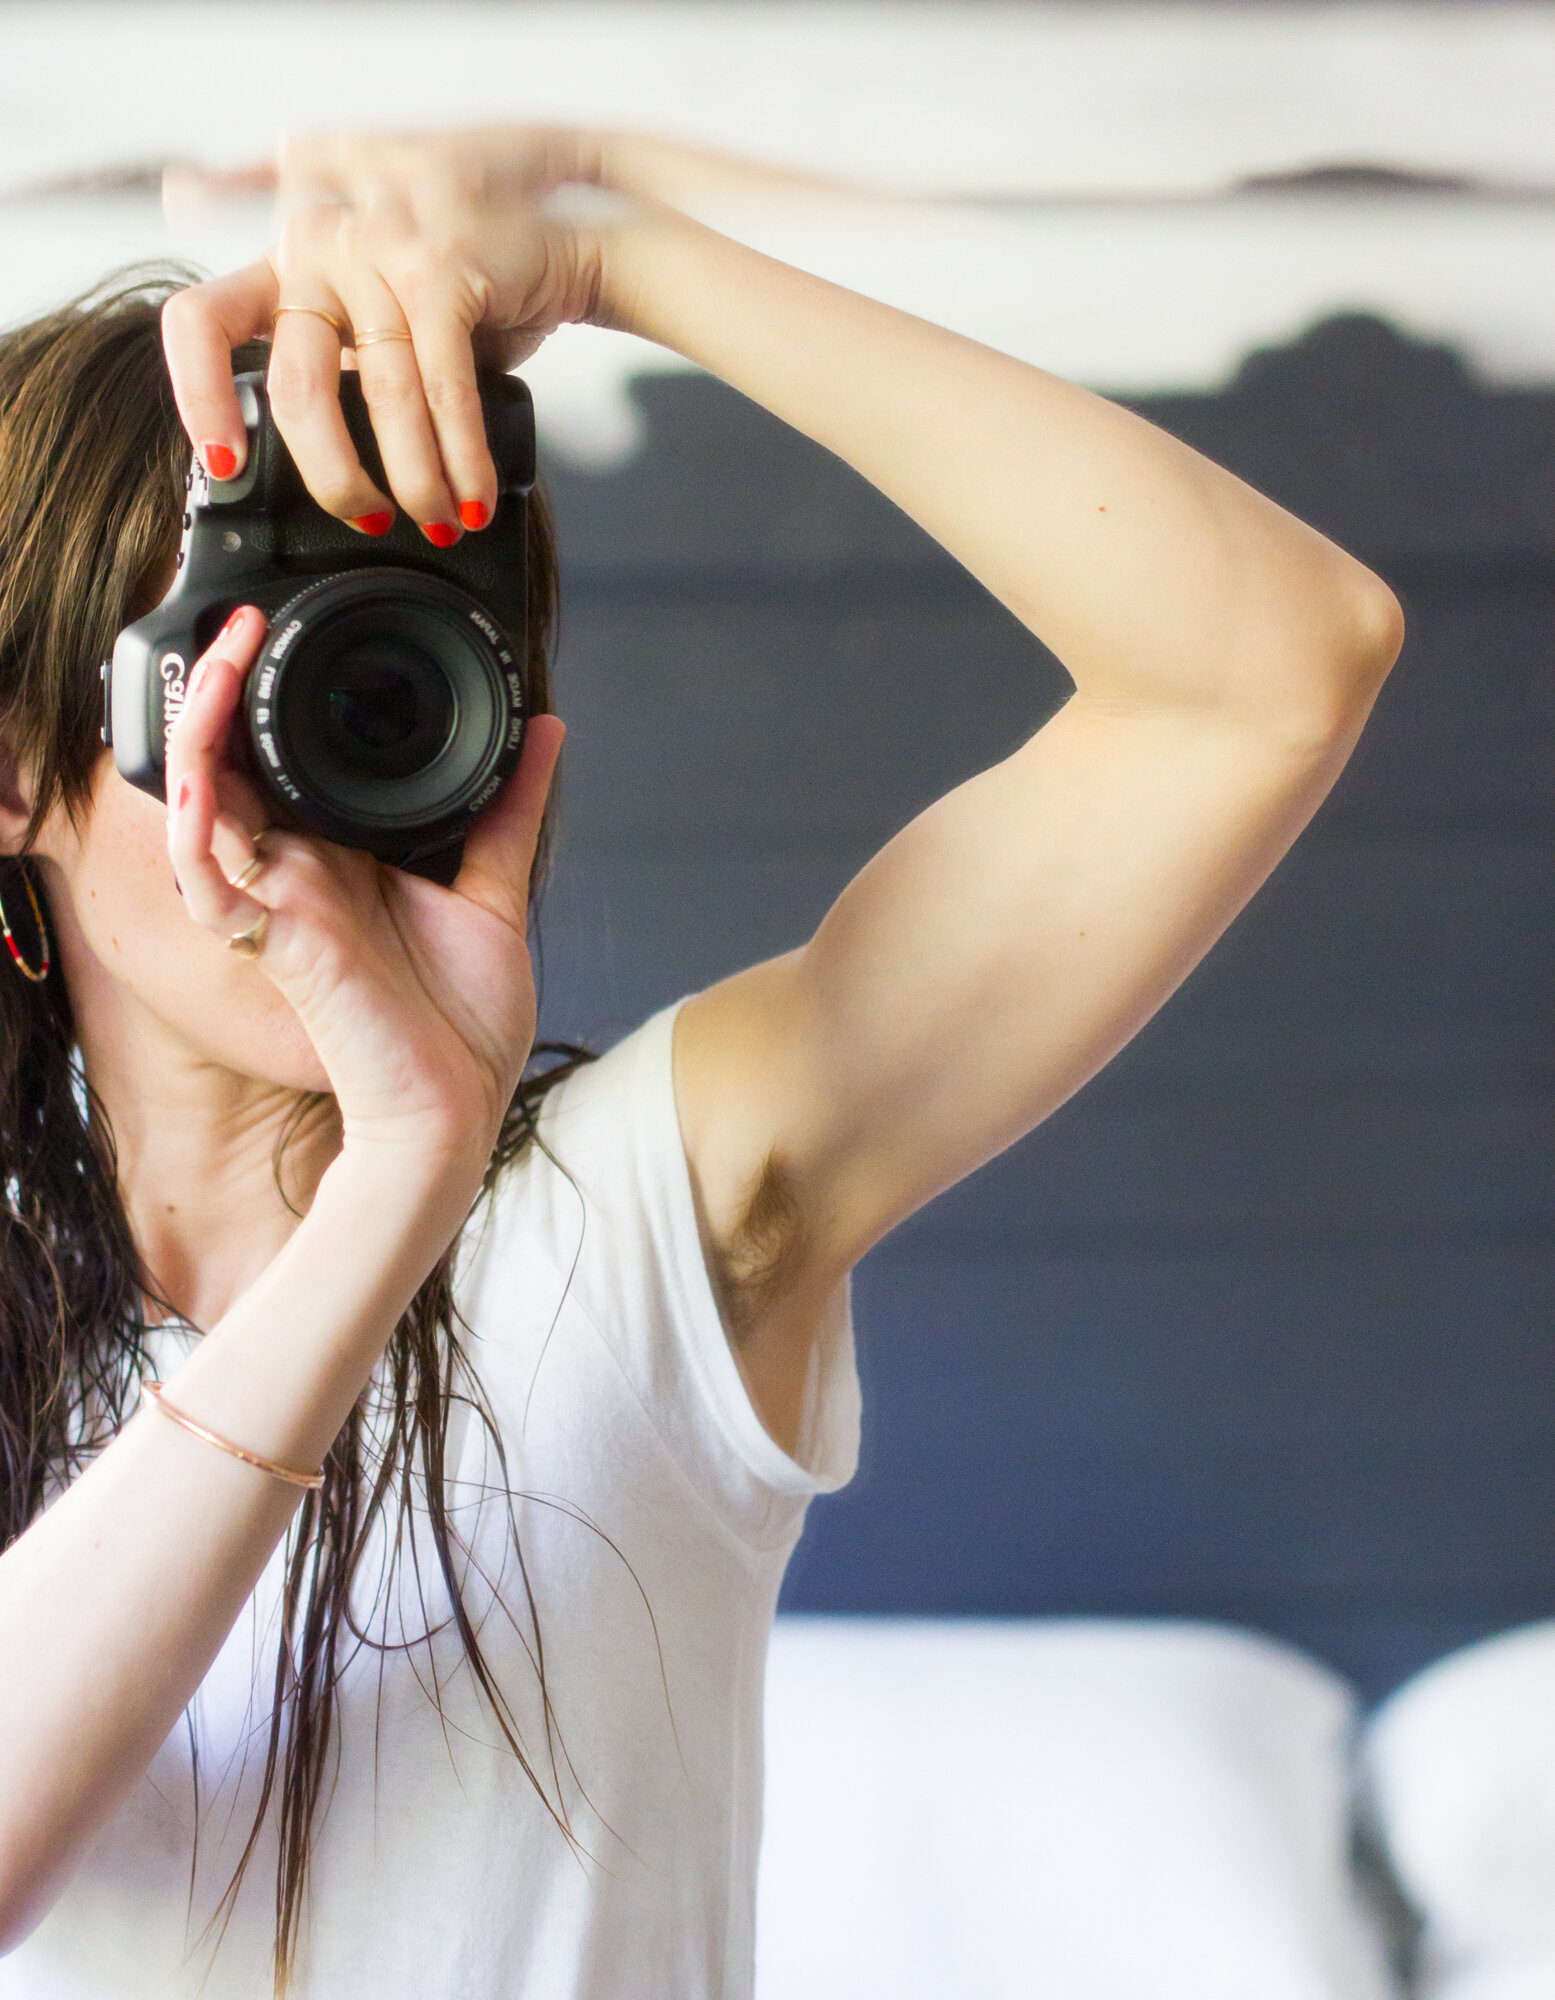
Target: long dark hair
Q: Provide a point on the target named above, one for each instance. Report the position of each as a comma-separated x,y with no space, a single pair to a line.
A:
92,465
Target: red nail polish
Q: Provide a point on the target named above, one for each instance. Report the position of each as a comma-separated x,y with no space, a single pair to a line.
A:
373,524
183,794
233,621
220,462
440,534
474,513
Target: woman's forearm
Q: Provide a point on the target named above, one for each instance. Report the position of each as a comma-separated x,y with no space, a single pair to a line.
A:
669,170
115,1602
1154,575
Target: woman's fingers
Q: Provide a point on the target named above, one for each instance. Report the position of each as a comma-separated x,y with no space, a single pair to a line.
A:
200,327
446,361
338,252
235,842
209,894
239,804
198,738
410,244
312,325
417,370
500,849
402,424
418,379
198,823
304,386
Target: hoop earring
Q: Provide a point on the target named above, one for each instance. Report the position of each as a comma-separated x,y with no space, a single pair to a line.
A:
22,966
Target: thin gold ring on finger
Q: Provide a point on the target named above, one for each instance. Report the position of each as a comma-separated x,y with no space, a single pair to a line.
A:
317,312
256,861
250,943
370,334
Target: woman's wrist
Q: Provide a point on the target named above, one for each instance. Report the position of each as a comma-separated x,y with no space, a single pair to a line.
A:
625,244
282,1368
437,1175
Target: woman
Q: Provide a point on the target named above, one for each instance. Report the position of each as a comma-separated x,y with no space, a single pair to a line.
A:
489,1725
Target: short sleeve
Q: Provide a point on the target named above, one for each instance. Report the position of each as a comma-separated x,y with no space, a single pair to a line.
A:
608,1195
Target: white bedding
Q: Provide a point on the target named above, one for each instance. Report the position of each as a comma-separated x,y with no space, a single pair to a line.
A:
1461,1766
1057,1810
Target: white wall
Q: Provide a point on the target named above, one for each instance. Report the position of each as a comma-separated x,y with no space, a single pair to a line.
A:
1140,104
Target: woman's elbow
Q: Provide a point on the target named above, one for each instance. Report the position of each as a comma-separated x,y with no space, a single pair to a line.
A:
1377,620
1338,648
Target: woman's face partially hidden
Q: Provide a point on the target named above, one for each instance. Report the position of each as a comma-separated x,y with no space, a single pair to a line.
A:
138,970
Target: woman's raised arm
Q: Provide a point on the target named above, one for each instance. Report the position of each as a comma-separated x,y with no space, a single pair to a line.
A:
1015,935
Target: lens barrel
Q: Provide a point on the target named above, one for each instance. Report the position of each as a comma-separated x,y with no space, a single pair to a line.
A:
385,710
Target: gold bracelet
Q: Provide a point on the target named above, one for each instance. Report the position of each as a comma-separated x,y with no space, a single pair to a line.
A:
151,1392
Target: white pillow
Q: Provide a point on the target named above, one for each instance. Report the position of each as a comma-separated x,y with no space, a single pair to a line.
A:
1056,1810
1461,1769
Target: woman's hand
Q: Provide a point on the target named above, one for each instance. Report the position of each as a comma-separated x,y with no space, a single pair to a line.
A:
457,240
419,1000
482,241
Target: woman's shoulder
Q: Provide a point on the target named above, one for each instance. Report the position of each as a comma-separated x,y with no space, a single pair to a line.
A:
596,1228
607,1137
613,1117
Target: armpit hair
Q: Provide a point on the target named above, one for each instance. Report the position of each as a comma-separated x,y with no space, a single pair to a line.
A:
755,1262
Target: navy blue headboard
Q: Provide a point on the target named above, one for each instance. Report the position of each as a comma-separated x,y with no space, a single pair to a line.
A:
1262,1326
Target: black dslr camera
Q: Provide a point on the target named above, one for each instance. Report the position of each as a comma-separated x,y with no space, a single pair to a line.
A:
386,709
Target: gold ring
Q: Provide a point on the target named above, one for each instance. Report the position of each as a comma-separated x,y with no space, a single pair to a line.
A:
250,943
369,334
318,312
256,860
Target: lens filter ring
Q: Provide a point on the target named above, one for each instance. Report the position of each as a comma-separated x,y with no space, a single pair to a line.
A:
385,710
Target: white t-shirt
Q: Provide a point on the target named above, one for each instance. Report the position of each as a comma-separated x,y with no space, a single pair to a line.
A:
655,1515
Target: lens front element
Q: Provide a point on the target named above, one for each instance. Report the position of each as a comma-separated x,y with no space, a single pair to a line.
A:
385,709
388,710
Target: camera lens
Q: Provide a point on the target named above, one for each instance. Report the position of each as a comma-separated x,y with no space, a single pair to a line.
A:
385,709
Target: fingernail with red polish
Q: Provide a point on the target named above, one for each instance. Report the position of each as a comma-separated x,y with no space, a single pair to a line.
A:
183,795
474,513
234,620
373,524
220,461
440,534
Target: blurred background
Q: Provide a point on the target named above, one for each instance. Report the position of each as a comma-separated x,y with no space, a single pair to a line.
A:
1259,1329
